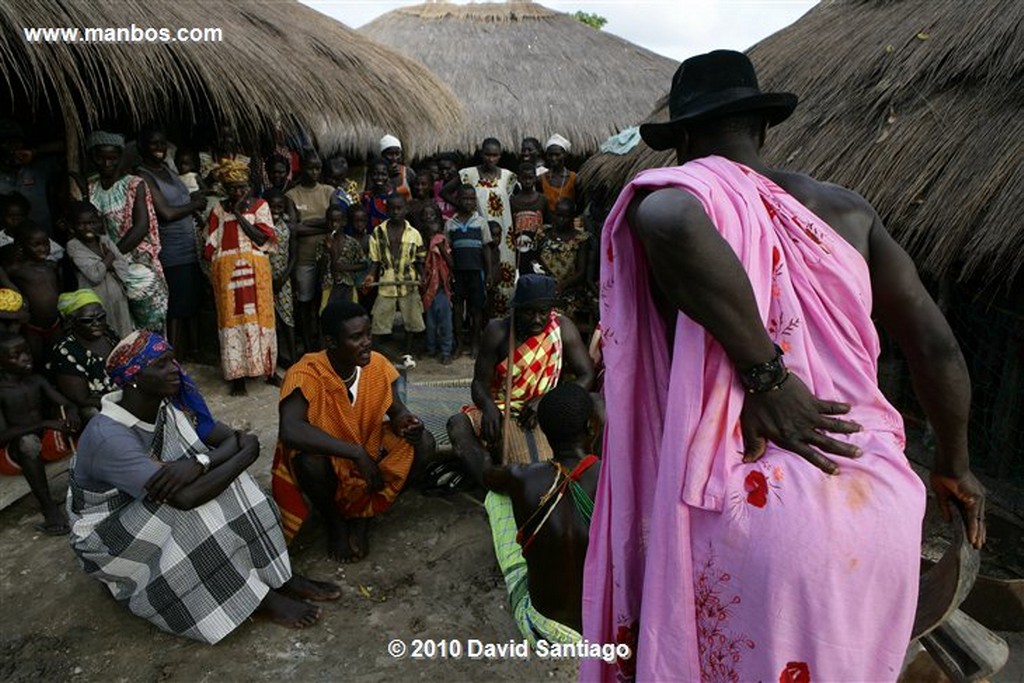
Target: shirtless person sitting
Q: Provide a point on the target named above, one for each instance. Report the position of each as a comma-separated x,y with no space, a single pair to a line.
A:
540,520
545,344
23,396
36,277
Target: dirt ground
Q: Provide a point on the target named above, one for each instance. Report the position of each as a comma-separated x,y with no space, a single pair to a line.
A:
431,574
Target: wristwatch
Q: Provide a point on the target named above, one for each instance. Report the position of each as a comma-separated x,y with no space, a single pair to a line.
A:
764,377
204,460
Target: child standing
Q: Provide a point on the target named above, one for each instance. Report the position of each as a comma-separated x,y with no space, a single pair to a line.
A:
470,239
345,259
22,399
98,261
396,255
529,213
375,198
422,195
358,222
35,276
437,291
282,265
14,210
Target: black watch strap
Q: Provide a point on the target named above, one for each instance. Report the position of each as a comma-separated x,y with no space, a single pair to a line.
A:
764,377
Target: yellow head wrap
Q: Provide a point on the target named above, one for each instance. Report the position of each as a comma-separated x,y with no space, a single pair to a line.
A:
231,172
10,301
69,302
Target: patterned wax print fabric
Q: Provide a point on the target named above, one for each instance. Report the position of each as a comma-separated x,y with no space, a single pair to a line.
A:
493,202
284,302
197,573
331,410
715,569
558,256
244,292
116,204
70,357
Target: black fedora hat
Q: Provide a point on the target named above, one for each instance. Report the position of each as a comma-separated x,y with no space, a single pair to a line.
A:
711,86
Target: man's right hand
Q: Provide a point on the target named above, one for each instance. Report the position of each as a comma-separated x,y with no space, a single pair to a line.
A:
794,419
369,471
490,424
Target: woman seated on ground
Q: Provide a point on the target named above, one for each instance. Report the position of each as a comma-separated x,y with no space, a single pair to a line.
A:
164,513
78,361
336,449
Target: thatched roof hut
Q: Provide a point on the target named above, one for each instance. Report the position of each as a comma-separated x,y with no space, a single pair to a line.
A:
277,61
917,105
522,69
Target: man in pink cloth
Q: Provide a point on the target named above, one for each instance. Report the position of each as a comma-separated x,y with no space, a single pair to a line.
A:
728,542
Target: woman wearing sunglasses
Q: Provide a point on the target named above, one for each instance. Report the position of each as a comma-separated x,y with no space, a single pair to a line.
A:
78,359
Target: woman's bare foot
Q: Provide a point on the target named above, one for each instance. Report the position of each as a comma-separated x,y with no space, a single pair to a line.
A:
54,523
339,543
238,387
288,612
307,589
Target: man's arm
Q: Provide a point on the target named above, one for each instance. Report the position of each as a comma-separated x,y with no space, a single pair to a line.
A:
937,369
577,356
403,422
699,274
140,222
491,352
183,485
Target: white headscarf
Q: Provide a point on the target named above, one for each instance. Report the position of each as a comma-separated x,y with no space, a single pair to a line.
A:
389,141
557,139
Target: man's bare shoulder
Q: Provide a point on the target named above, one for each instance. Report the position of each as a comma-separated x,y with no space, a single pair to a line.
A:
844,210
665,207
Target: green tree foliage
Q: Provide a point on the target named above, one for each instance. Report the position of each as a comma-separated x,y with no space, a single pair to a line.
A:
592,20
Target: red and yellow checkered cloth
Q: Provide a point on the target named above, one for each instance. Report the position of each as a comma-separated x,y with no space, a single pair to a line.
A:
536,367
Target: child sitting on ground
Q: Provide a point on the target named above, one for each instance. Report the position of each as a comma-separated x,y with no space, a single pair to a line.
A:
36,277
98,263
437,288
27,437
396,255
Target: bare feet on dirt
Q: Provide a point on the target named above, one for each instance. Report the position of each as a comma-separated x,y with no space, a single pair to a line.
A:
339,543
287,612
307,589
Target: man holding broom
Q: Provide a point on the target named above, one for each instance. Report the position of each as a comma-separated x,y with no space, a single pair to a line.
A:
538,344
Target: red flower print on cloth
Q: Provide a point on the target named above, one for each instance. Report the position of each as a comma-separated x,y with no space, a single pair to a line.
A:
628,634
795,672
720,651
756,486
495,205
